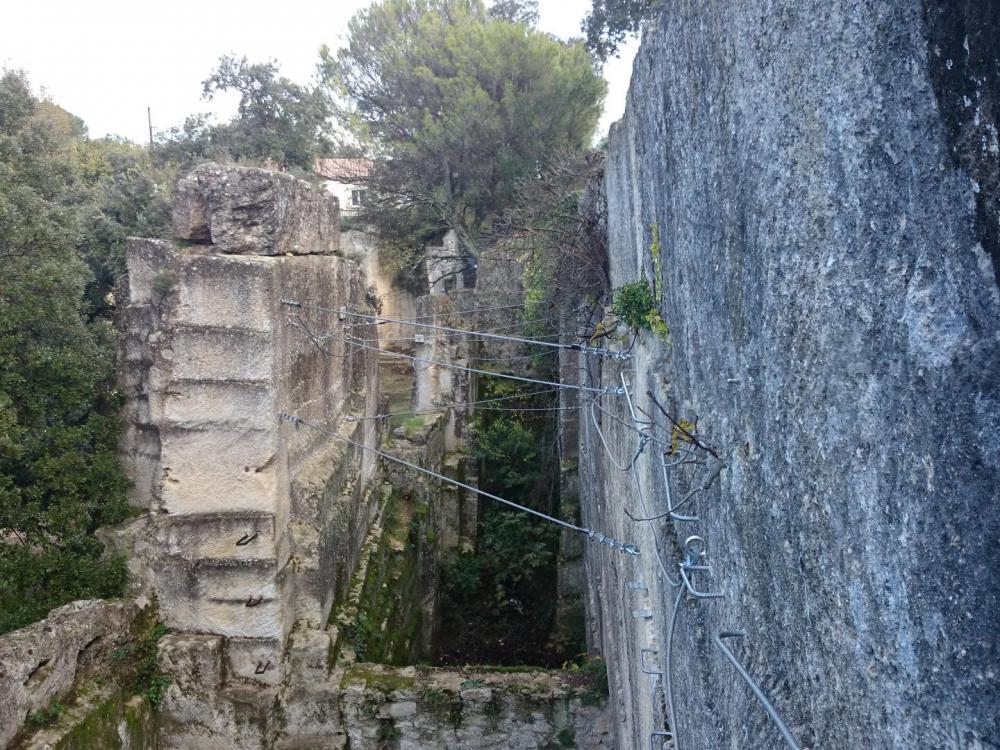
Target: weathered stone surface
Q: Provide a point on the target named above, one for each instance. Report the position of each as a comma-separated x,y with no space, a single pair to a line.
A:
397,290
253,211
834,318
308,656
430,708
251,519
42,661
193,661
100,717
210,359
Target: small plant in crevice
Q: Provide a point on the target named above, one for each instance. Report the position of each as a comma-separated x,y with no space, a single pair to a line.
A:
45,717
163,283
598,690
590,674
359,633
634,304
493,710
137,660
566,737
682,432
388,732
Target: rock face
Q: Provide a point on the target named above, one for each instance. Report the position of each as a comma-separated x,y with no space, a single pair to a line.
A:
255,212
254,525
369,707
42,662
822,180
397,288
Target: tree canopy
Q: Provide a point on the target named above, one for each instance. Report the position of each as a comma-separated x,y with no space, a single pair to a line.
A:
610,21
456,105
66,203
278,122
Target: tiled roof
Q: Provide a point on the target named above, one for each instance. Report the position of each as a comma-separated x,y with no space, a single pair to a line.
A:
343,170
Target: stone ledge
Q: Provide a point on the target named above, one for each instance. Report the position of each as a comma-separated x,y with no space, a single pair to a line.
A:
250,211
42,661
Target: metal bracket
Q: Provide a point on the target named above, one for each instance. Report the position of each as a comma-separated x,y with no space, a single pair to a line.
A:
695,547
261,668
664,735
642,660
247,538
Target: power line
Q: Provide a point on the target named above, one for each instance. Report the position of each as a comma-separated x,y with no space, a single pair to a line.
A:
430,410
469,312
482,334
595,536
360,343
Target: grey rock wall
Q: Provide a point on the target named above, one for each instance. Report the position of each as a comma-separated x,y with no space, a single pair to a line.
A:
42,662
823,181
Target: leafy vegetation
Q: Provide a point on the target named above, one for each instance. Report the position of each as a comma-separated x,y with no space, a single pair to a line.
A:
500,598
609,22
45,717
511,447
388,732
596,671
457,104
634,304
138,672
560,242
278,122
66,204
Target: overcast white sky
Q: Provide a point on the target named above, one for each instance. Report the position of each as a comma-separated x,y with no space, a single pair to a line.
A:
106,60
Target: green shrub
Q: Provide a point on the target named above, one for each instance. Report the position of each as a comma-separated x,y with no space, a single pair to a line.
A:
164,283
66,205
388,731
511,449
464,575
44,717
634,304
136,662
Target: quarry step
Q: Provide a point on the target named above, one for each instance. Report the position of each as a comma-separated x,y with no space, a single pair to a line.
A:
213,536
236,598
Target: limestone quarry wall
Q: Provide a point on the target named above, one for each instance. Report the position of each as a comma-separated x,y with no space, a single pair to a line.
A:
42,662
252,526
397,288
821,176
266,544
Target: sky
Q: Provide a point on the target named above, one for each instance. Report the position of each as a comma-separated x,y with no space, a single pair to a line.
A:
107,60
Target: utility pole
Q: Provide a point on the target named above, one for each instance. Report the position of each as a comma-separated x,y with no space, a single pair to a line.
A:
149,120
